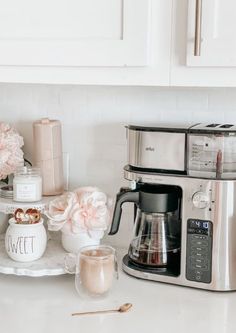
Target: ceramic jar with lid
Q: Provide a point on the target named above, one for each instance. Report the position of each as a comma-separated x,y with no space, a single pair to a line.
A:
25,242
27,185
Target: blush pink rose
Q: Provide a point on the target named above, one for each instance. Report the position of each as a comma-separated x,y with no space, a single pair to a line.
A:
11,154
86,209
59,209
93,211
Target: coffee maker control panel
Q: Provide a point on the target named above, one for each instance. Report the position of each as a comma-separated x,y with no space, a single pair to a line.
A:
199,250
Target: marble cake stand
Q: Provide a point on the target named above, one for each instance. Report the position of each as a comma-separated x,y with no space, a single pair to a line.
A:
51,263
8,206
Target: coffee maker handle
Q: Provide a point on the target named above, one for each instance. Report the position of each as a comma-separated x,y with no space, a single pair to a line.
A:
125,195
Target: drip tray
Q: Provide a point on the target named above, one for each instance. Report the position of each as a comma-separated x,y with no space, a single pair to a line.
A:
169,271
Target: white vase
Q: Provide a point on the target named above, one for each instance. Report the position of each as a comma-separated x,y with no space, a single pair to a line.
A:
25,242
74,242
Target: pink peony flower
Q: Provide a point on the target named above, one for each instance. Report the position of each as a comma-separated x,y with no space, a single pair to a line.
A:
93,209
59,210
11,155
85,209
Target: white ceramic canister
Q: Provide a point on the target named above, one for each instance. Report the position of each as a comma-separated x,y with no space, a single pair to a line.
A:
25,242
27,185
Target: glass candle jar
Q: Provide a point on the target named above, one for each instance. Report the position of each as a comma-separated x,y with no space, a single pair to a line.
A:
27,185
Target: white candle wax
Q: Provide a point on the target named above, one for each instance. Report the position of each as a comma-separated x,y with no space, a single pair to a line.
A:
27,185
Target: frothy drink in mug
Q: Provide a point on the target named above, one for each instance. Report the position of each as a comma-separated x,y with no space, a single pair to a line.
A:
96,270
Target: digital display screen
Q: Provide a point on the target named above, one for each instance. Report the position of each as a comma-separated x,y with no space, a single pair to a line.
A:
200,227
199,224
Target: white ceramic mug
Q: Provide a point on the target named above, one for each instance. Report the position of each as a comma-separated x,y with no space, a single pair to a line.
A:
25,242
95,269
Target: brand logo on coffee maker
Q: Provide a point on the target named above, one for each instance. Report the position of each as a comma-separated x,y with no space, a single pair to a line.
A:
21,244
150,148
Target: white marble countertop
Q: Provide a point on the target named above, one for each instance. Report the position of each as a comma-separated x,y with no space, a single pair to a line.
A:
45,304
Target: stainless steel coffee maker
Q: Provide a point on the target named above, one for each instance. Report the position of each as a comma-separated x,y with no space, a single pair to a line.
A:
183,181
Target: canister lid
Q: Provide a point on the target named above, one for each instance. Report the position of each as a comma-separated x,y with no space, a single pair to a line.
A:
159,198
47,122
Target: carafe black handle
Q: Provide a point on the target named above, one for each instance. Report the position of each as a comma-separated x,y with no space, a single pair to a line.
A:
125,195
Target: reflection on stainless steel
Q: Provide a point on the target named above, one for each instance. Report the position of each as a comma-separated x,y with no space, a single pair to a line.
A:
219,164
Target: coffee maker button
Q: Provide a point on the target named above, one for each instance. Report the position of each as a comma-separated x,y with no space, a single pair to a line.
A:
200,243
195,237
199,254
197,242
199,251
200,200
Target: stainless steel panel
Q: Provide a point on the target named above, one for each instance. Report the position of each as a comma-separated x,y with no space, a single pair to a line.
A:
156,150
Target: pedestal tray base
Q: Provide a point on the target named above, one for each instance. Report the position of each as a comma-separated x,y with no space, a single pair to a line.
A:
51,263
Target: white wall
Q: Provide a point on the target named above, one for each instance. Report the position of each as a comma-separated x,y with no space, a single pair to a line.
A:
93,121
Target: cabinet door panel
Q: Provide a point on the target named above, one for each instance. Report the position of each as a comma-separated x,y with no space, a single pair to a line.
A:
218,47
74,33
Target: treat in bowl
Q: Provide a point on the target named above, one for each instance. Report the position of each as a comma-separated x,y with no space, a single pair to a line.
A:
31,216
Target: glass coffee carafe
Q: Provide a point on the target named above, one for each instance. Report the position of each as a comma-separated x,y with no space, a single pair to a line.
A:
157,228
153,245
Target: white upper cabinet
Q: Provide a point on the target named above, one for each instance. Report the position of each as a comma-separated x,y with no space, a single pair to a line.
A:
216,20
119,42
74,33
85,41
204,44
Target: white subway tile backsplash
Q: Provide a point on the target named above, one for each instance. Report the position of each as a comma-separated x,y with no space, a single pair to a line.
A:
93,120
176,116
206,116
230,117
190,99
222,100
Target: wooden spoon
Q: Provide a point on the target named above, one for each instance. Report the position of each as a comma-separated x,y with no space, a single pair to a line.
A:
123,308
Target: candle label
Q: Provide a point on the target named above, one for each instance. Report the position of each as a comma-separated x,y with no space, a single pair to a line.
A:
25,191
